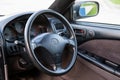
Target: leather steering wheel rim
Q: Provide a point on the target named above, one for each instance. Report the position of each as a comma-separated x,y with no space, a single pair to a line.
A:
30,50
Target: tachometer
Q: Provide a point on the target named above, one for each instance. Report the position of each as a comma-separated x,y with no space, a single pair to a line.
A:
9,34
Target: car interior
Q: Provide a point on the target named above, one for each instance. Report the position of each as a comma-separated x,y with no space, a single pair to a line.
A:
51,45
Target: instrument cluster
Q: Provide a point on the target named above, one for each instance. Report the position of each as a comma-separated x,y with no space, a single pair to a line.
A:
15,30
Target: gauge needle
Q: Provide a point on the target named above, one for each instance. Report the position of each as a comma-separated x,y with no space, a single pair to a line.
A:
14,31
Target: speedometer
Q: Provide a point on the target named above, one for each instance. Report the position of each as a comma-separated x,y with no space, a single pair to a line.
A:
19,27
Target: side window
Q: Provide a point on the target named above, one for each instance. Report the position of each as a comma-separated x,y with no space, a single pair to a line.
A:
109,12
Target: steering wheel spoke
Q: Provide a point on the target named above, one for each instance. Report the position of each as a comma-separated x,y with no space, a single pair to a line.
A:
70,42
35,45
59,67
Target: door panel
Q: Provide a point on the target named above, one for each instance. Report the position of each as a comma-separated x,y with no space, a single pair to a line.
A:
99,45
109,49
94,70
100,39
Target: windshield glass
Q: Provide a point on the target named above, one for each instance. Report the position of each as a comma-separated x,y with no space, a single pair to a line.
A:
15,6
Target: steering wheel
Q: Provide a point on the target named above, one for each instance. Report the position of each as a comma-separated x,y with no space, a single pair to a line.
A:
51,45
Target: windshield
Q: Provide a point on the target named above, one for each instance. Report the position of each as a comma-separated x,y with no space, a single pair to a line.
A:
109,12
13,6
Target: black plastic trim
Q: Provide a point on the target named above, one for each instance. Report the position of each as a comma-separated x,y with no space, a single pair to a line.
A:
101,32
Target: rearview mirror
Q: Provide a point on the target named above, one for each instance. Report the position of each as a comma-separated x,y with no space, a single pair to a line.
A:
85,9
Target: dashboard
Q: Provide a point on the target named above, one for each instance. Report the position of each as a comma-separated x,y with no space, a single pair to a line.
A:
13,31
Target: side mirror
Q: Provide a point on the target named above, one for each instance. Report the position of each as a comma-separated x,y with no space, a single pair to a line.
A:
85,9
